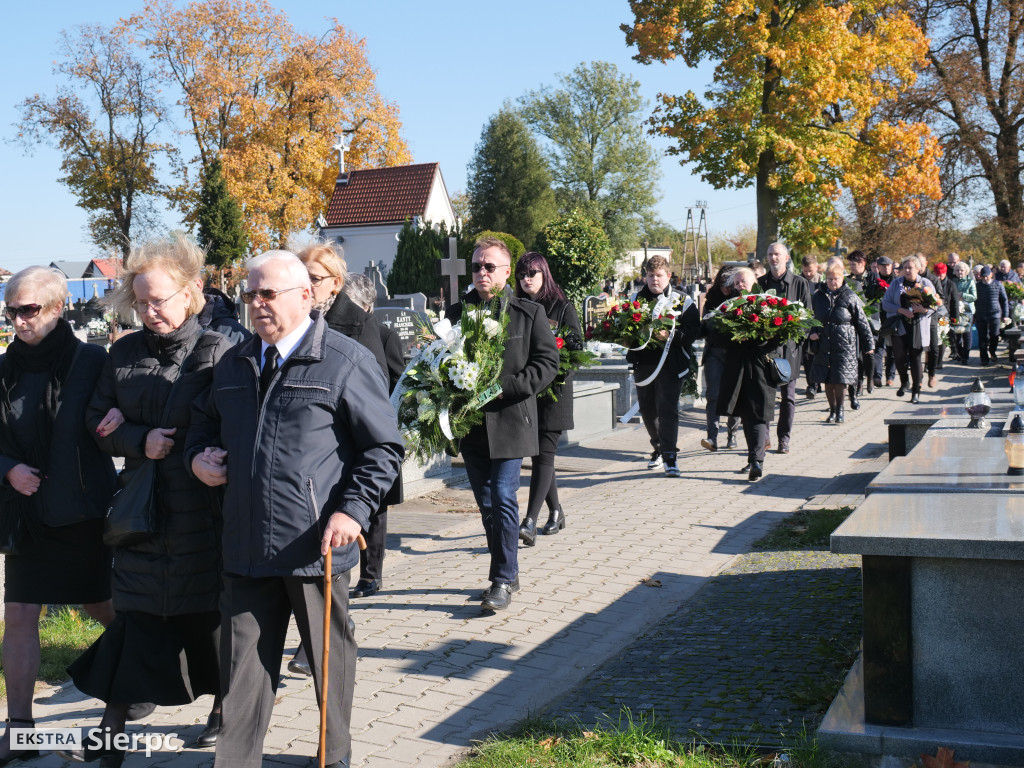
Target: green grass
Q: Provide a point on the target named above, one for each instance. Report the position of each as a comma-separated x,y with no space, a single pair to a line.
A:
804,529
633,742
63,635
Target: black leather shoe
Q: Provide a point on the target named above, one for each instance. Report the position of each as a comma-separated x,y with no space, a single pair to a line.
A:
139,711
299,667
109,757
555,523
513,585
831,416
915,396
840,415
732,443
19,755
901,391
854,400
528,532
365,588
747,466
755,471
499,597
208,738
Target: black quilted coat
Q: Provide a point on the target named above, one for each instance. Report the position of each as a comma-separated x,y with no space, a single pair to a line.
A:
177,571
843,338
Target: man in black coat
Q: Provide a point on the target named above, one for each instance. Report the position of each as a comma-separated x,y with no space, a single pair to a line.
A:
945,286
494,451
658,395
793,287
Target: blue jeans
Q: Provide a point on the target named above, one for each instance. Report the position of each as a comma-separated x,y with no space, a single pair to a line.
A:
494,483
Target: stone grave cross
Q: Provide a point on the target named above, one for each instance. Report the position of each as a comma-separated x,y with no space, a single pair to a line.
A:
452,268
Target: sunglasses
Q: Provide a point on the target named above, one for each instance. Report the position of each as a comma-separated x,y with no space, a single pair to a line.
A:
478,265
528,273
265,294
26,312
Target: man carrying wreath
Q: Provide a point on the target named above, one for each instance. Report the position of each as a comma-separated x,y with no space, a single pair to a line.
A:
792,287
658,388
494,450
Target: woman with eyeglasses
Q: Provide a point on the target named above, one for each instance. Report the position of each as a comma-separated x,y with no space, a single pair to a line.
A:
534,281
163,646
328,272
57,484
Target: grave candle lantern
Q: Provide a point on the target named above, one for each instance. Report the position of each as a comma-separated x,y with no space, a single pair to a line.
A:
1014,446
977,405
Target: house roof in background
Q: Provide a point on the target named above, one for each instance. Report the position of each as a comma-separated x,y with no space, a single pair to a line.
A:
106,267
71,269
381,195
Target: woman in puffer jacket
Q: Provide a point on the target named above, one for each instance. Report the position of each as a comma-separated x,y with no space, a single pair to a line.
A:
843,338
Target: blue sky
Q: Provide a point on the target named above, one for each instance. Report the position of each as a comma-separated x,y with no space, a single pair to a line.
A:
448,65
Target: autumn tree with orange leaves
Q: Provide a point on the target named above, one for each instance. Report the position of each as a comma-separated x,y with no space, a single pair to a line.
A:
271,103
794,106
106,122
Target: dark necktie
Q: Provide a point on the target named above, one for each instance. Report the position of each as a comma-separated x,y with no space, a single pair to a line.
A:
269,369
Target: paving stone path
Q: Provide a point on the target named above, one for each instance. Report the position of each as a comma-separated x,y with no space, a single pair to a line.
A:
434,674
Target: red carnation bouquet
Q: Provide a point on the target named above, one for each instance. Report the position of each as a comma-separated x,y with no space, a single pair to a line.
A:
633,325
764,318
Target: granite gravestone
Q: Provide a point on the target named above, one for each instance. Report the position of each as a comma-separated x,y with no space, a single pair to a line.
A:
373,272
404,322
595,309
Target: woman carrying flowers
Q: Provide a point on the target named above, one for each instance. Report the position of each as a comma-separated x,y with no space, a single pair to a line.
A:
753,328
554,411
844,338
913,298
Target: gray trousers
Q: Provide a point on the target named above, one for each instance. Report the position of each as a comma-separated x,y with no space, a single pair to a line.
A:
254,621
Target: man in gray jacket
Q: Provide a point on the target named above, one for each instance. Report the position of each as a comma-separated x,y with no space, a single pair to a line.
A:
298,425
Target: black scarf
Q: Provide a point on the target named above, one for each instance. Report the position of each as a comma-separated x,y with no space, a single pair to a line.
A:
54,354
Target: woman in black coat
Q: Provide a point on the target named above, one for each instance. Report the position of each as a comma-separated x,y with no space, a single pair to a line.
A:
56,482
328,272
554,415
844,338
163,646
744,390
713,362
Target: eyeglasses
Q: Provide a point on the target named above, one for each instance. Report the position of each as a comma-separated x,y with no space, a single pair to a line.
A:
156,305
317,279
26,312
265,294
478,265
531,273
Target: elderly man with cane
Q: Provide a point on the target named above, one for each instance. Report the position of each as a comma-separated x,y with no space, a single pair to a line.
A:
298,425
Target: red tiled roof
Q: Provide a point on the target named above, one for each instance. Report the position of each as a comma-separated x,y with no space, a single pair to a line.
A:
382,195
107,267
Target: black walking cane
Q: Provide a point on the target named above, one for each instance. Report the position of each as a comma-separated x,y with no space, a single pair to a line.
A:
326,656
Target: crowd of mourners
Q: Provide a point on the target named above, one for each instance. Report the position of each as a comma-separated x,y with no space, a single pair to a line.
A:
269,451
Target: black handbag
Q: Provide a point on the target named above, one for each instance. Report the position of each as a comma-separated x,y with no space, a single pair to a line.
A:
132,514
777,370
131,517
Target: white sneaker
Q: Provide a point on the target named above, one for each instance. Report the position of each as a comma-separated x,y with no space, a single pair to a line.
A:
671,470
656,461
